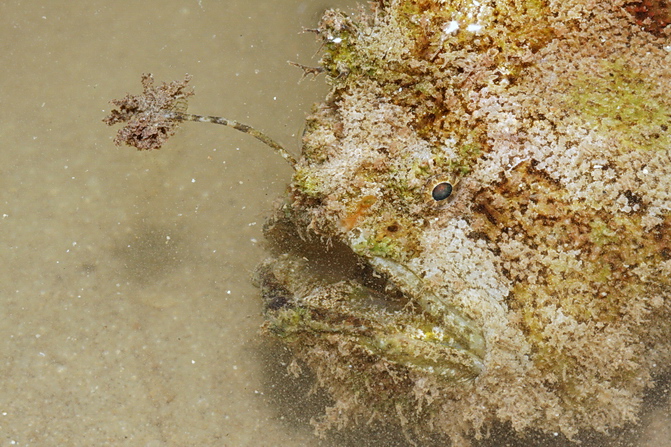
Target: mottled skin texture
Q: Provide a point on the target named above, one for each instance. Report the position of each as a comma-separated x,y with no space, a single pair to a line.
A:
539,292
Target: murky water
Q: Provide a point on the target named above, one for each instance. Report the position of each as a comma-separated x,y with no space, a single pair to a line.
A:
128,315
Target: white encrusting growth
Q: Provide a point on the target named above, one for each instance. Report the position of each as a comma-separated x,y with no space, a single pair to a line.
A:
451,27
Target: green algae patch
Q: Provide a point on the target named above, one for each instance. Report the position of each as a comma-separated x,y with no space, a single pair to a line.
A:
308,183
601,233
468,154
379,246
623,102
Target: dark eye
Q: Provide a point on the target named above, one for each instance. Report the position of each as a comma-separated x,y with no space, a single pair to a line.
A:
441,191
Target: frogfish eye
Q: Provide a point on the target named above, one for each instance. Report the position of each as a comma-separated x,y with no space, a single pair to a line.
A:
441,191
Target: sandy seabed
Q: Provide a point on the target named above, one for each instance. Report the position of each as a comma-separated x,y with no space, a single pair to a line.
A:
127,312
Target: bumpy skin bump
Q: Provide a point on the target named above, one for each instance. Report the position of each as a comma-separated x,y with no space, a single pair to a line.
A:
539,292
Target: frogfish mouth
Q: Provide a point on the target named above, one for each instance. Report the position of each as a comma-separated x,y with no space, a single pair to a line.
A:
315,290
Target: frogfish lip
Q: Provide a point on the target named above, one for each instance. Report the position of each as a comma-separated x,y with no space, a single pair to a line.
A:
464,331
323,293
